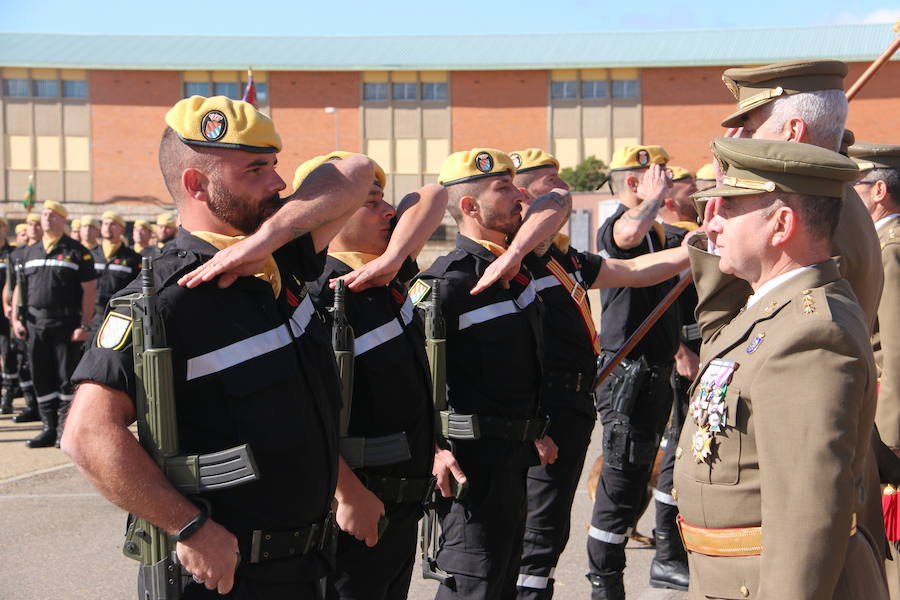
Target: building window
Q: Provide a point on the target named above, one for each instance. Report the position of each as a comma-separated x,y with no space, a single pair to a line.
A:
375,91
228,89
196,88
625,88
596,88
434,91
405,91
262,92
564,89
74,89
15,87
45,88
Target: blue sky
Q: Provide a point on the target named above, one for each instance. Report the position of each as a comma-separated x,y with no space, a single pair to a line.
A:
359,17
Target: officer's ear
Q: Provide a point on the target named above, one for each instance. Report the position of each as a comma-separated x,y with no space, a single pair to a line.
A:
632,183
796,130
468,206
879,191
195,184
785,222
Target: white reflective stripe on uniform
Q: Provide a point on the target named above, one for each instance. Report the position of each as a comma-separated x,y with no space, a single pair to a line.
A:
578,277
532,581
486,313
527,296
50,262
67,397
26,385
99,266
664,498
123,268
3,265
548,281
238,352
406,311
301,317
377,336
608,536
48,397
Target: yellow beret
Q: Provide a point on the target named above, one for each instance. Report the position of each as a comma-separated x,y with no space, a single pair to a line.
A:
167,219
56,207
473,164
76,223
309,166
706,172
32,218
20,227
114,216
221,122
531,159
87,221
678,173
141,223
637,157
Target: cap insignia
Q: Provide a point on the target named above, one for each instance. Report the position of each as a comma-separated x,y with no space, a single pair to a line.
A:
517,160
214,125
643,157
484,162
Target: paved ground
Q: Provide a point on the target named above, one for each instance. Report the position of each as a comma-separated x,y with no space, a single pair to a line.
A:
60,540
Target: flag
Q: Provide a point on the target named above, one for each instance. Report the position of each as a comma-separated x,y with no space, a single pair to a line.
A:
28,200
250,90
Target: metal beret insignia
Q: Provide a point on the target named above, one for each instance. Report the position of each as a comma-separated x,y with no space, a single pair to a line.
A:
484,162
213,125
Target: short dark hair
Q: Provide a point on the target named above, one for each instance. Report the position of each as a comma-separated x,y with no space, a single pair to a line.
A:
891,179
457,191
175,156
818,214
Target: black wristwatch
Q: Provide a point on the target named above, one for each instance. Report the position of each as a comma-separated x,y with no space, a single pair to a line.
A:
194,526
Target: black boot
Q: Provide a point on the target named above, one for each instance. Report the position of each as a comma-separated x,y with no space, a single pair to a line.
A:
47,437
610,587
31,413
669,568
61,418
6,401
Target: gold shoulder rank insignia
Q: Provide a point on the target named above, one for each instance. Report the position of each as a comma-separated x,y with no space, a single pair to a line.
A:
114,332
419,291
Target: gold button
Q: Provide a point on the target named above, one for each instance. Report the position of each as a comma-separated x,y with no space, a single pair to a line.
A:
674,494
744,591
678,452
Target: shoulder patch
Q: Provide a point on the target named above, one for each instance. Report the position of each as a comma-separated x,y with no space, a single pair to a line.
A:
114,332
419,291
88,256
813,304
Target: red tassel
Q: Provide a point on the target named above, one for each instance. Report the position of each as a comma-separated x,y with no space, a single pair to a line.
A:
890,505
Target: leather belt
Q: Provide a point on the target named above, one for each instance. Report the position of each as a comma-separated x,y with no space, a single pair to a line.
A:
398,489
569,381
375,451
291,543
53,313
732,541
456,426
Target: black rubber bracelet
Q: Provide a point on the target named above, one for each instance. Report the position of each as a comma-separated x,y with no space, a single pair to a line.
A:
194,526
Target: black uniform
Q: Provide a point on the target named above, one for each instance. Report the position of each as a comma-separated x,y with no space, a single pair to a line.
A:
494,341
391,395
570,366
631,434
113,274
19,347
54,292
8,355
253,369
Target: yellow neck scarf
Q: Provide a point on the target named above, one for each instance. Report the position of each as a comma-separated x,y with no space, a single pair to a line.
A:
109,249
354,260
49,241
689,225
562,242
270,271
497,249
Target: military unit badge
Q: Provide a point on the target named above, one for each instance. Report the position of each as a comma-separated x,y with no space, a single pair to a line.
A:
708,410
214,125
643,157
114,332
419,291
755,342
517,160
484,162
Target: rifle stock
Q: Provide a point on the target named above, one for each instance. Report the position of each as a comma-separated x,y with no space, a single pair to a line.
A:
342,343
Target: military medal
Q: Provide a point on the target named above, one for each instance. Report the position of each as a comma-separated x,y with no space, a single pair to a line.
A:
754,344
708,410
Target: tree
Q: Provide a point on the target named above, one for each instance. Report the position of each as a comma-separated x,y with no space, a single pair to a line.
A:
586,176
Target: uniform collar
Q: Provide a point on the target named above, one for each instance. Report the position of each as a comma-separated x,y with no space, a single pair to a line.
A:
219,241
495,249
885,220
50,242
473,247
354,260
774,283
562,242
109,249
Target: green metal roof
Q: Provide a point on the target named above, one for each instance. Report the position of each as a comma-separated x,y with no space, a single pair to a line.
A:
445,52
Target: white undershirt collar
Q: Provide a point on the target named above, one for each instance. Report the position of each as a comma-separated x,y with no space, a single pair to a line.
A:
774,283
883,221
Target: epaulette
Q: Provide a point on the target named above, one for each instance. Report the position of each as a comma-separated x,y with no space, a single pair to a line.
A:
813,304
893,237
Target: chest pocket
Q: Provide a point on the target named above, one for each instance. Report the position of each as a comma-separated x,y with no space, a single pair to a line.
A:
723,466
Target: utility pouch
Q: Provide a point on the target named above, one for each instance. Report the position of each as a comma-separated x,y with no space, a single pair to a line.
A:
615,443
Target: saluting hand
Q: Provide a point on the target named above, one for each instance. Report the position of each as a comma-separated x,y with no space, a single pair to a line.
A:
444,467
654,184
503,269
247,257
211,556
377,273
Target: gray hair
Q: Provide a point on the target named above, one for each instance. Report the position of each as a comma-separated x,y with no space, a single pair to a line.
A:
891,179
823,111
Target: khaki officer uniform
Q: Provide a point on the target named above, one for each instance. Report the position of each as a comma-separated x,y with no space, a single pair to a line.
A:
855,244
770,467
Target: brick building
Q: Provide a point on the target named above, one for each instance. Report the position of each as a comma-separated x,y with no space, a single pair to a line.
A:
83,114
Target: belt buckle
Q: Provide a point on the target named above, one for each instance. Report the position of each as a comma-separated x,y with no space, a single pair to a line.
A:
255,541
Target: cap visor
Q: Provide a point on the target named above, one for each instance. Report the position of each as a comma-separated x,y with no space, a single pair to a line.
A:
734,119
